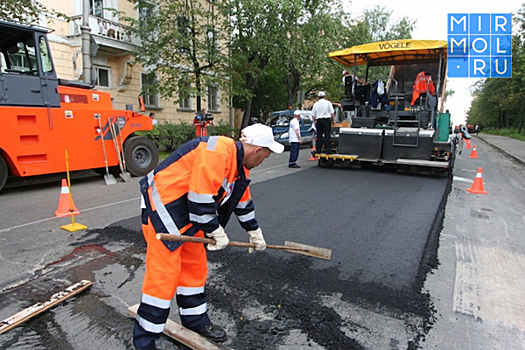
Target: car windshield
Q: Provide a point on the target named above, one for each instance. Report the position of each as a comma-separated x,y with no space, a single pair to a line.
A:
279,120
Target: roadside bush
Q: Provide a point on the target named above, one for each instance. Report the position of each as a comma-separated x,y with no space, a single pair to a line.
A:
222,129
169,136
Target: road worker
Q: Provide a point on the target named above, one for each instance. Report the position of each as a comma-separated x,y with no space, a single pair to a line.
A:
194,192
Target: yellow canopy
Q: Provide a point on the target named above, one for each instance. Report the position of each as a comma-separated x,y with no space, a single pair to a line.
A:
391,52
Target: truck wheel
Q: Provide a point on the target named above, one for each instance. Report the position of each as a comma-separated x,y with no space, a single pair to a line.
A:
3,172
141,154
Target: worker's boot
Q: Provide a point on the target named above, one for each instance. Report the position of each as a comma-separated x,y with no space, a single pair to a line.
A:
213,332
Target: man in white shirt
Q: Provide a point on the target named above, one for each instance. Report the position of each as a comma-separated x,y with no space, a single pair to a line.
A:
324,117
294,136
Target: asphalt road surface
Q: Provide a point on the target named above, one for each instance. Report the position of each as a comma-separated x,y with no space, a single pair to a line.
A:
382,227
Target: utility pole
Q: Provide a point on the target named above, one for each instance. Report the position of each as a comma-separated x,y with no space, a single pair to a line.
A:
86,43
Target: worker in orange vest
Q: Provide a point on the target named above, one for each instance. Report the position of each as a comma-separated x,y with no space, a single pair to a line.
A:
422,85
194,192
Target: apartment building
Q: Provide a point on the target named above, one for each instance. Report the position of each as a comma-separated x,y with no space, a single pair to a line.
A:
113,66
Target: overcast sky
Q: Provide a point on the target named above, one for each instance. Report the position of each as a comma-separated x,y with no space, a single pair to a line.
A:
431,24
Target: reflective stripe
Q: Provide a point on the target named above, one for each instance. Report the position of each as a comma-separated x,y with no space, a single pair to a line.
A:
157,302
200,198
197,310
242,205
142,202
202,219
212,143
246,217
190,290
150,327
161,209
228,188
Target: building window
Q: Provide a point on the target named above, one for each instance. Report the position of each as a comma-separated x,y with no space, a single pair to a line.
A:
148,84
102,76
213,98
97,8
146,18
184,96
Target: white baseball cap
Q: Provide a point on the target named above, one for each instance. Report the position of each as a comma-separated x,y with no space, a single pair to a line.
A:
261,135
321,94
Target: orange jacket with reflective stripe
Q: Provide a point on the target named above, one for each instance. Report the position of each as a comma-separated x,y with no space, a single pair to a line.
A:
422,84
198,187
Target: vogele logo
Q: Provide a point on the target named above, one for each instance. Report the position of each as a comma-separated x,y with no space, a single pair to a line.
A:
479,45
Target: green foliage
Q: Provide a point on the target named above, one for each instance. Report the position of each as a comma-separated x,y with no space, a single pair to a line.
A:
380,27
512,133
222,129
183,44
25,11
500,103
168,136
268,49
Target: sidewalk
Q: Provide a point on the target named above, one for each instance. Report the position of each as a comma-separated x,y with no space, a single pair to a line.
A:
478,289
512,147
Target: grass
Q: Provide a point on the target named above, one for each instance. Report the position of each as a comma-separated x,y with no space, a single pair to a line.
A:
512,133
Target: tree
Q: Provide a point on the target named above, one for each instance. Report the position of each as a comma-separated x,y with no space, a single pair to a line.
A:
181,44
314,27
255,27
498,102
380,26
24,11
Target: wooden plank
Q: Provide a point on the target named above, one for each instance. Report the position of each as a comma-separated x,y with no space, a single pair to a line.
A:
36,309
183,335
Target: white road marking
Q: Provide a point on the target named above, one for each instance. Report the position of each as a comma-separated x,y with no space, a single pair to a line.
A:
463,179
54,217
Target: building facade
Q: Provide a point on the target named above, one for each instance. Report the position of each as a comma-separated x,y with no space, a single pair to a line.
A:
113,66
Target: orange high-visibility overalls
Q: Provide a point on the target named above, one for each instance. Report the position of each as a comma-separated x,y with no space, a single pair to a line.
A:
193,191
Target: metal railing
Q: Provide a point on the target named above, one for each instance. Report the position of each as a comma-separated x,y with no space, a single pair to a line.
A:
105,28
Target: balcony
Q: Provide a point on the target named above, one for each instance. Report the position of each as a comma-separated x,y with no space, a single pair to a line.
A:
111,37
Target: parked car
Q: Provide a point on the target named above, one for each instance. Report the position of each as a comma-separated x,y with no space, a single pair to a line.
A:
280,123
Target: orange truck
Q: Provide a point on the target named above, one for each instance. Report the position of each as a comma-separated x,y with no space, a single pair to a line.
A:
43,116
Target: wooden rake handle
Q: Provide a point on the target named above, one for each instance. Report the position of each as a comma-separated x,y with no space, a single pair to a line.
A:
192,239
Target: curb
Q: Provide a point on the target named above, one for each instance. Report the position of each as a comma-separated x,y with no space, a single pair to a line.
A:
518,159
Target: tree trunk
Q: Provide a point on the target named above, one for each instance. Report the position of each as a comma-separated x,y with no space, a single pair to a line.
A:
247,113
251,84
522,120
293,81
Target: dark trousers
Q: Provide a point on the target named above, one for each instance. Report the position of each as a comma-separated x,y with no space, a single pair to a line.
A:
324,128
294,153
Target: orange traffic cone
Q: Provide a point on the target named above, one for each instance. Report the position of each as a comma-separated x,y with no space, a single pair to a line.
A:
468,144
474,153
477,185
66,206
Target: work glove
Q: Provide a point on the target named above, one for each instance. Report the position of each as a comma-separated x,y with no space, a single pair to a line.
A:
257,238
220,237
